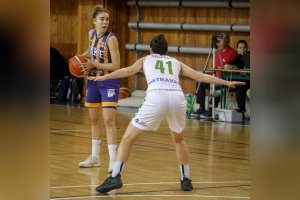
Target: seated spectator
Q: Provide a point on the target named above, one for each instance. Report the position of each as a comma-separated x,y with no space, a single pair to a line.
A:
69,89
223,56
63,85
242,61
58,69
75,89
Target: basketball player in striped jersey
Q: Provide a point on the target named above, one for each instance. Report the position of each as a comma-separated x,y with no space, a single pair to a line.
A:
164,99
103,58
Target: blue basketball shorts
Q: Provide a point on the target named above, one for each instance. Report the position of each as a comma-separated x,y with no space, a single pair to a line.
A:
102,94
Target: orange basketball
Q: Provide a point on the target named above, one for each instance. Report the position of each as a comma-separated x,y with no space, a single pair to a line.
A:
74,66
123,94
124,89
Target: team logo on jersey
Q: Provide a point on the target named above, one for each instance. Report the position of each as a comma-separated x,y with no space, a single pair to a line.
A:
140,122
111,92
102,45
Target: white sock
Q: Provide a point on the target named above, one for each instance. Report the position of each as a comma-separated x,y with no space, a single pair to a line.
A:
118,168
112,150
184,171
96,144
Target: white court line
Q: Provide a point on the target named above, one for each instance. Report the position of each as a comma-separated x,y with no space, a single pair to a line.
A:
70,130
84,130
158,183
148,195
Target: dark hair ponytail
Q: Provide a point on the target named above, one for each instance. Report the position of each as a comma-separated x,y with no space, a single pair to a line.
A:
159,44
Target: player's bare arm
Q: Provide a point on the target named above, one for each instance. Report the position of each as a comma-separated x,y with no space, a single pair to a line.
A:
193,74
124,72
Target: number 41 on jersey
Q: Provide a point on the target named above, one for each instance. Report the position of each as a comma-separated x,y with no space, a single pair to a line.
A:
160,65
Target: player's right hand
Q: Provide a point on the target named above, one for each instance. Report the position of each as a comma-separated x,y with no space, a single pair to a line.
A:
97,78
232,84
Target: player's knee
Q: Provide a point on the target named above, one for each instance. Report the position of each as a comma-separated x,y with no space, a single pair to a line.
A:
178,138
95,121
128,139
109,123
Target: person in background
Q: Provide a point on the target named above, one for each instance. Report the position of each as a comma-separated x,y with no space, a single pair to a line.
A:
223,56
242,61
63,85
58,70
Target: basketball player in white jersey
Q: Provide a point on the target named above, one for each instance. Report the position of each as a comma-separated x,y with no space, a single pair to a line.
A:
164,99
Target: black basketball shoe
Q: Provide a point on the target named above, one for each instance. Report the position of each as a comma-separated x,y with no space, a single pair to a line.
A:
110,183
186,184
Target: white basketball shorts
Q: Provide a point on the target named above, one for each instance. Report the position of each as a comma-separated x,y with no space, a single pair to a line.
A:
160,104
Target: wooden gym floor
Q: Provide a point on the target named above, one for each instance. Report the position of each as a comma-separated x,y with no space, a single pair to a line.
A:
219,160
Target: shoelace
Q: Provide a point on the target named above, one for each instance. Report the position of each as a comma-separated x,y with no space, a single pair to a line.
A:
108,180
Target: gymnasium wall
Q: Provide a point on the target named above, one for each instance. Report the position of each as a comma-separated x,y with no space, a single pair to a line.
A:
187,38
71,20
64,26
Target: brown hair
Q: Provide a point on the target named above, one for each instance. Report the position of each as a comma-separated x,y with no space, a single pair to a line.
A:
159,44
99,10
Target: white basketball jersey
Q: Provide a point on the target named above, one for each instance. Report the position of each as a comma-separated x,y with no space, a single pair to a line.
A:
162,72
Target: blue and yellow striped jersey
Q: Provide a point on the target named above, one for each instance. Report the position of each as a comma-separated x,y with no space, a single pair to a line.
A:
99,50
